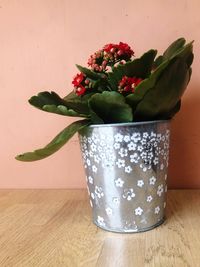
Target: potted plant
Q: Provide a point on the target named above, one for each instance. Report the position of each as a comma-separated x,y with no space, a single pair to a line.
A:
127,104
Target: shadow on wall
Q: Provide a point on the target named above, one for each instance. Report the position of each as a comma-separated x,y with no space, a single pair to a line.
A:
184,164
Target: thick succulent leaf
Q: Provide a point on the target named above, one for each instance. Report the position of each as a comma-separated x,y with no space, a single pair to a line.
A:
46,98
62,110
174,47
140,67
51,102
177,48
173,111
145,85
111,107
133,99
89,73
159,60
60,140
164,96
78,103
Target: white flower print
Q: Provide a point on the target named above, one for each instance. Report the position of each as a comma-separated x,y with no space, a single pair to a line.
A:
143,154
138,211
118,137
131,146
91,203
94,168
92,195
160,190
143,141
152,180
140,183
127,138
109,211
157,210
119,182
128,194
102,143
100,148
95,138
93,147
144,168
128,169
90,180
96,158
140,148
84,139
116,145
149,198
155,161
91,154
89,140
120,163
116,200
88,162
103,155
135,137
99,191
100,221
162,166
123,152
145,135
153,134
134,158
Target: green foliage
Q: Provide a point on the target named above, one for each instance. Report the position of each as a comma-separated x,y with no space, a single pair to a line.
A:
140,67
157,97
56,143
164,96
51,102
110,107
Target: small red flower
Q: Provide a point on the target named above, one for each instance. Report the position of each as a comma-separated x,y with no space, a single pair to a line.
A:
80,90
128,84
124,49
78,79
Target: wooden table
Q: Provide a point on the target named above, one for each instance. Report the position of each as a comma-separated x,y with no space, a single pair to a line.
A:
54,228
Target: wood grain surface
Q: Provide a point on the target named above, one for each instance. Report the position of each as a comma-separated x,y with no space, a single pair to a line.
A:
54,228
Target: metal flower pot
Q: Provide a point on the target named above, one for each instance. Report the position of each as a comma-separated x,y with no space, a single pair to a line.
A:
126,171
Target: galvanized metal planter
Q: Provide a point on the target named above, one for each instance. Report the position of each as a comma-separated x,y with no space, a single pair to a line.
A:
126,171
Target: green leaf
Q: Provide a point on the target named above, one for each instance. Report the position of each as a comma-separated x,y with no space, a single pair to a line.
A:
177,48
89,73
60,140
173,48
78,103
163,97
110,107
140,91
51,102
140,67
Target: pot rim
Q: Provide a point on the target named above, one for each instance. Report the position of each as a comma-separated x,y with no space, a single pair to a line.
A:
128,123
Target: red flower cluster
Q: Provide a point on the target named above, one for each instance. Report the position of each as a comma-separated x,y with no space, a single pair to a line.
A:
109,55
81,83
128,84
118,51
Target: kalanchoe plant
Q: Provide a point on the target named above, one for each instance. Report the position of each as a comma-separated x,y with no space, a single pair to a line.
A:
119,88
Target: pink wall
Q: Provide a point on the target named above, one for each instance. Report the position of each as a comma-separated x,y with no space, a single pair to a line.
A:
40,42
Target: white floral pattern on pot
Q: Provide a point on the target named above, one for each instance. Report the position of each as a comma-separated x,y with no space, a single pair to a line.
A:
135,165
